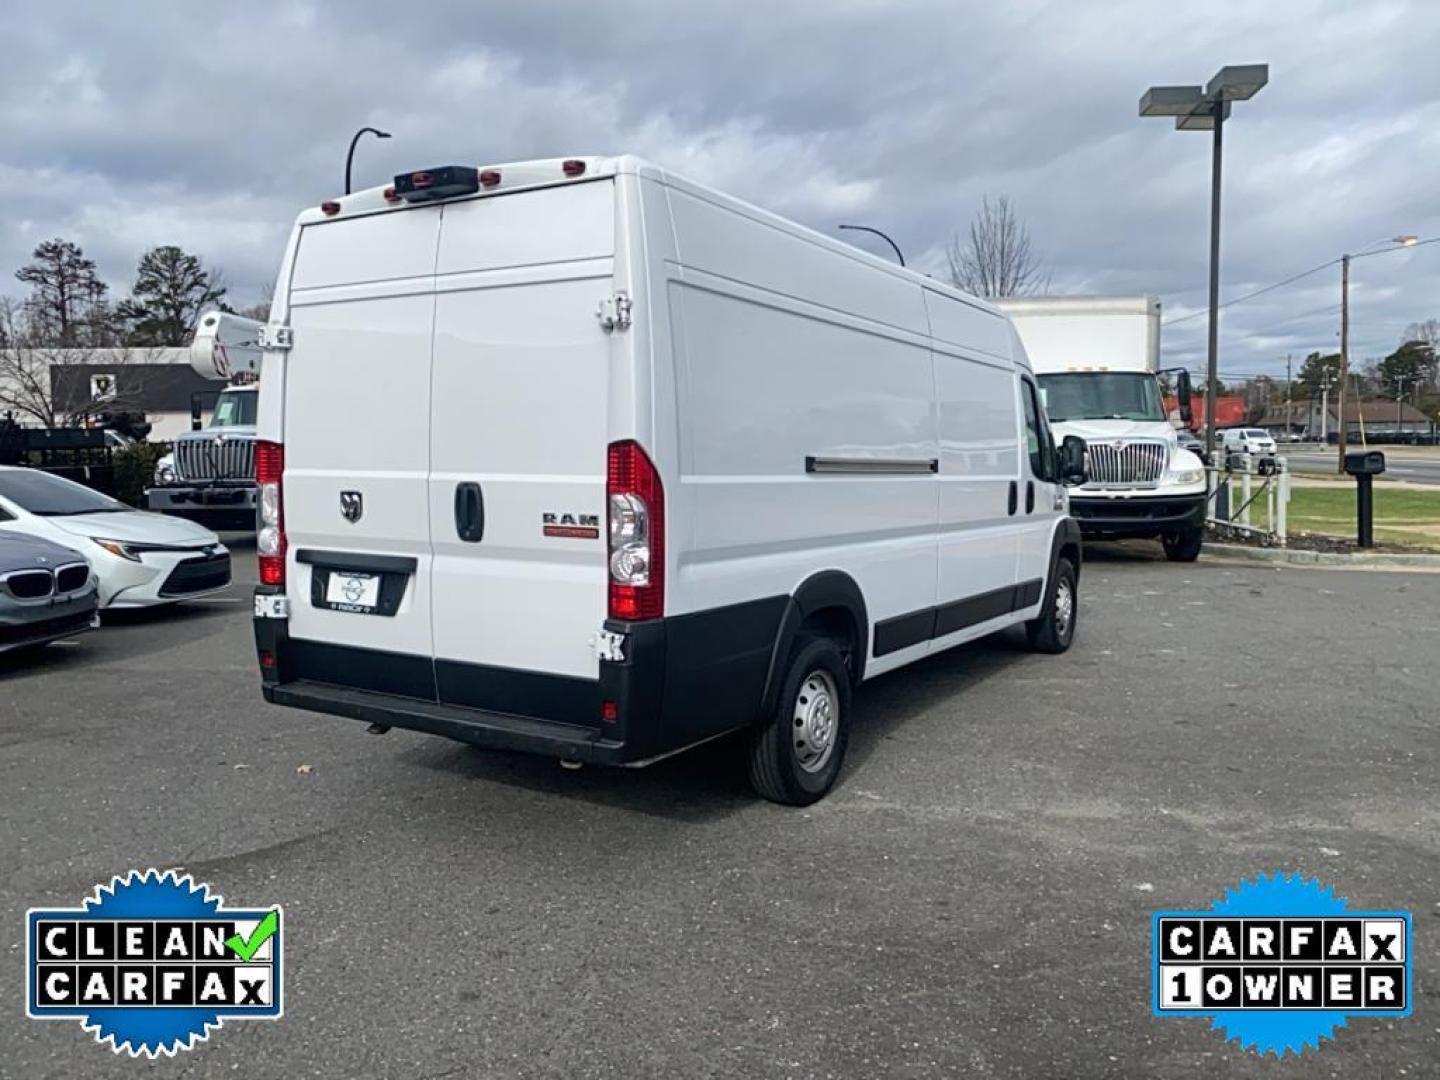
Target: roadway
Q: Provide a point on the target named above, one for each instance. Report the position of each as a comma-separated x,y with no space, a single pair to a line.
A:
1414,465
973,899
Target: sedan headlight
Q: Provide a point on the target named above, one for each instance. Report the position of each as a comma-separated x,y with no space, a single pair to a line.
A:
1187,476
120,548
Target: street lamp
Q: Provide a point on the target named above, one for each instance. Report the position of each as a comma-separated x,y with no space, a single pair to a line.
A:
351,155
877,232
1374,248
1206,109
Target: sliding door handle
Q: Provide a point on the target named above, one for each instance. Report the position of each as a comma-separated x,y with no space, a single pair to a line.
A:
469,512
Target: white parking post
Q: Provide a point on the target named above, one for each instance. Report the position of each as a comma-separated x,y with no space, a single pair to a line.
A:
1245,494
1282,501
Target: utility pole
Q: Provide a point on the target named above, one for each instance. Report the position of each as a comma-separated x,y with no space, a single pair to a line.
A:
1400,382
1344,357
1289,422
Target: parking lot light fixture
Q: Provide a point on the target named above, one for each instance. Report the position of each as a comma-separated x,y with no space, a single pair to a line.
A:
1206,109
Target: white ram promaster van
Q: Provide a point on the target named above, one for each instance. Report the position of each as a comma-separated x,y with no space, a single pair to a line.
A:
583,459
1097,358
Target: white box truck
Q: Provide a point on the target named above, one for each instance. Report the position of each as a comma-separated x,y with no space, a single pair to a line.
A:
1097,359
580,458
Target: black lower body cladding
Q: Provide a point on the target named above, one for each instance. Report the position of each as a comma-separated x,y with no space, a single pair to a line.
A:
683,679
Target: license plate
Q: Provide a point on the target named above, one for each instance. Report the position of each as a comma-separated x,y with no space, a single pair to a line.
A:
353,592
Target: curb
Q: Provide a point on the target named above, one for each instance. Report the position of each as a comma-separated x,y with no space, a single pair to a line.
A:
1298,557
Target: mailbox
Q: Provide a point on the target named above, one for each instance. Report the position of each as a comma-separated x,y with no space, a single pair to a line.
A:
1364,462
1364,465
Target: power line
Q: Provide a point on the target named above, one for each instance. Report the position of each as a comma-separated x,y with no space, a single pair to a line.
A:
1257,292
1297,277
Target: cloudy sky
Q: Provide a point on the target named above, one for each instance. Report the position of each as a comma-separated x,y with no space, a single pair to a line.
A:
123,126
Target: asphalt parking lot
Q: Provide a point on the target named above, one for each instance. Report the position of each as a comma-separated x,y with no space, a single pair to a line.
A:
973,899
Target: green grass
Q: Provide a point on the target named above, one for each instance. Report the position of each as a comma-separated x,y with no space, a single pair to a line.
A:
1403,515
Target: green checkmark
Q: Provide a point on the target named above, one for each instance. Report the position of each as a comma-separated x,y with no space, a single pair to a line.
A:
246,948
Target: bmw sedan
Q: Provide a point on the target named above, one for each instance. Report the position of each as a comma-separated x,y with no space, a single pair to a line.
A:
47,592
139,558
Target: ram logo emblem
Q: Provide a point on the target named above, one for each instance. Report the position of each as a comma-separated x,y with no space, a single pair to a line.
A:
352,506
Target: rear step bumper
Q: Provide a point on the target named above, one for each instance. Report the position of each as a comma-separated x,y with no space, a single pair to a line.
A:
496,731
683,680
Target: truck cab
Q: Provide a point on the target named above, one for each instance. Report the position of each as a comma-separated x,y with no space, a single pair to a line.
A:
209,474
1096,360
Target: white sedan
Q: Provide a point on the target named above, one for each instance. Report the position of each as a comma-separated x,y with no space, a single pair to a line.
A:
139,558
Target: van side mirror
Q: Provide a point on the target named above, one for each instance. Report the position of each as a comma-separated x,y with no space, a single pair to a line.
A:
1182,395
1072,461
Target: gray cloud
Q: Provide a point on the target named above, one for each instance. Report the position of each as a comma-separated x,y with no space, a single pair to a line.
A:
211,128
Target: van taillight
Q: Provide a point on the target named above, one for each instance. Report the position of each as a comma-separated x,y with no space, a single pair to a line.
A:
270,540
636,503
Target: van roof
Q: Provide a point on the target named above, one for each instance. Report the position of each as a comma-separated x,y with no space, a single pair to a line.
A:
549,172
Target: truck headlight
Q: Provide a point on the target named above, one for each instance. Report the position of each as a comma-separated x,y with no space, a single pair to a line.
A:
1187,476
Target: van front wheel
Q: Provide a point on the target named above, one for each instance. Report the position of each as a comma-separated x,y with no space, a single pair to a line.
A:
1054,629
796,755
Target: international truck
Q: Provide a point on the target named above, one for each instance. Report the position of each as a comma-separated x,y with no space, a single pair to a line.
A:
1097,360
209,474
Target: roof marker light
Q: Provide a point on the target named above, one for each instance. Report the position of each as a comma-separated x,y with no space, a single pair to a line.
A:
330,208
489,177
390,195
573,167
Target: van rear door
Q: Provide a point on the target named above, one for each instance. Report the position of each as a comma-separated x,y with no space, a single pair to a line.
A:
357,448
517,446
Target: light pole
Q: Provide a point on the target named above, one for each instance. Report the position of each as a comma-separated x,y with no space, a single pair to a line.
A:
1206,109
1400,382
350,157
877,232
1391,242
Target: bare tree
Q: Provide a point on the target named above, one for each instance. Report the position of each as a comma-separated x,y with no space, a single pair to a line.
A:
995,258
1426,333
44,384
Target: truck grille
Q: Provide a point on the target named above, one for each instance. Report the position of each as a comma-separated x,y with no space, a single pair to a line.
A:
212,459
1124,464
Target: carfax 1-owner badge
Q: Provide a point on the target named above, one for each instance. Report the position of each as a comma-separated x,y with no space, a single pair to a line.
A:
1281,963
152,962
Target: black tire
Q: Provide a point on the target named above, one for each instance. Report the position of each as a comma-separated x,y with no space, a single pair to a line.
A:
779,769
1054,629
1183,546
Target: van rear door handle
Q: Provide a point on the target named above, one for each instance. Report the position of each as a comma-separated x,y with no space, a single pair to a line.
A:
1029,496
469,512
1014,496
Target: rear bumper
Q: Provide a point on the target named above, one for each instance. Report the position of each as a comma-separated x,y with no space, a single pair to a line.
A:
219,506
683,680
1138,516
496,731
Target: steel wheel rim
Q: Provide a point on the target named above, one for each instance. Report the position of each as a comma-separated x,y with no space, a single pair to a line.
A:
815,721
1064,608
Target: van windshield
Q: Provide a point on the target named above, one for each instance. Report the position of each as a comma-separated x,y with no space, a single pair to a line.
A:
235,408
1102,395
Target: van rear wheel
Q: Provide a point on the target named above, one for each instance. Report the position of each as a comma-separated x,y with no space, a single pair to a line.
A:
1054,629
796,756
